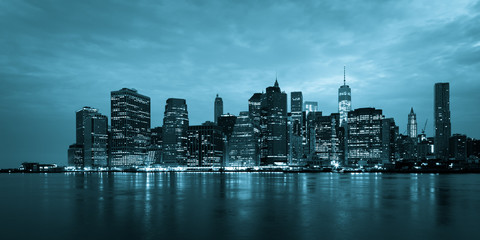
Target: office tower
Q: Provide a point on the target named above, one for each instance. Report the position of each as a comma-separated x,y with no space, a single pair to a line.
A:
296,127
344,101
296,101
325,139
274,126
81,115
155,148
412,124
389,140
175,126
205,145
442,119
226,123
95,141
458,147
364,137
218,108
255,109
310,106
130,126
242,144
75,155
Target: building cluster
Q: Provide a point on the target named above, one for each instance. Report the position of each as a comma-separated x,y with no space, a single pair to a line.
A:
266,134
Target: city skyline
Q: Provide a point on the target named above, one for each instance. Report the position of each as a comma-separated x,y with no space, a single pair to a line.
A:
65,65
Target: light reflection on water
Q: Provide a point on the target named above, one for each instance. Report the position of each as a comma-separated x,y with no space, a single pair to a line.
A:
239,206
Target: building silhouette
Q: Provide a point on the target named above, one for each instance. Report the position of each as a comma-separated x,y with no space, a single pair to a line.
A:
175,126
217,108
226,122
130,126
389,140
412,124
442,119
458,147
75,155
155,148
81,116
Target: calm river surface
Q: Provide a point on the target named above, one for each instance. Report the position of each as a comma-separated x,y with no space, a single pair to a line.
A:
239,206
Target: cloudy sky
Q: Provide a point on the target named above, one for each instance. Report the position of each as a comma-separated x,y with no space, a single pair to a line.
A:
57,56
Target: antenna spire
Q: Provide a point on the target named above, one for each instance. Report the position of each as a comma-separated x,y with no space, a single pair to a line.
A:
344,76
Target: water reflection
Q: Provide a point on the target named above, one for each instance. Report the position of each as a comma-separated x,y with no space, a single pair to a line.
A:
240,205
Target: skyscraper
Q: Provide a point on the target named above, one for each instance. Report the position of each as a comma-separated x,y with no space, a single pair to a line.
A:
296,127
95,141
205,145
130,119
344,101
81,116
274,121
365,136
412,124
442,120
175,126
242,150
218,108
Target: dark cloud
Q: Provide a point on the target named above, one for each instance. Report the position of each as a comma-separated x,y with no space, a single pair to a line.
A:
57,56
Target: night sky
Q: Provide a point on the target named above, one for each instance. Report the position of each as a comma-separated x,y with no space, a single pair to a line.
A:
58,56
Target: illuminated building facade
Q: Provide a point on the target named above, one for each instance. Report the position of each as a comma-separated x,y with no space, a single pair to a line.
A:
130,126
389,140
95,141
412,124
344,101
175,126
442,119
205,146
274,148
296,128
242,144
326,139
364,137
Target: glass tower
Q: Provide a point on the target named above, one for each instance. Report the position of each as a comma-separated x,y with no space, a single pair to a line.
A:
175,127
442,119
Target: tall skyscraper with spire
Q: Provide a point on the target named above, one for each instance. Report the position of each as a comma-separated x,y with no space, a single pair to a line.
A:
344,101
442,119
412,124
218,109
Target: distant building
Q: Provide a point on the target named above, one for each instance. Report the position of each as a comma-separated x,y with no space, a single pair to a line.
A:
205,146
95,141
273,123
389,140
226,122
442,119
365,137
130,126
154,150
326,139
344,101
296,128
242,145
255,109
218,108
458,147
310,106
425,147
75,155
175,126
412,124
81,116
344,107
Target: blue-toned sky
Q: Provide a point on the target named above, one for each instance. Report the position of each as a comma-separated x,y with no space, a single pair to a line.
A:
57,56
